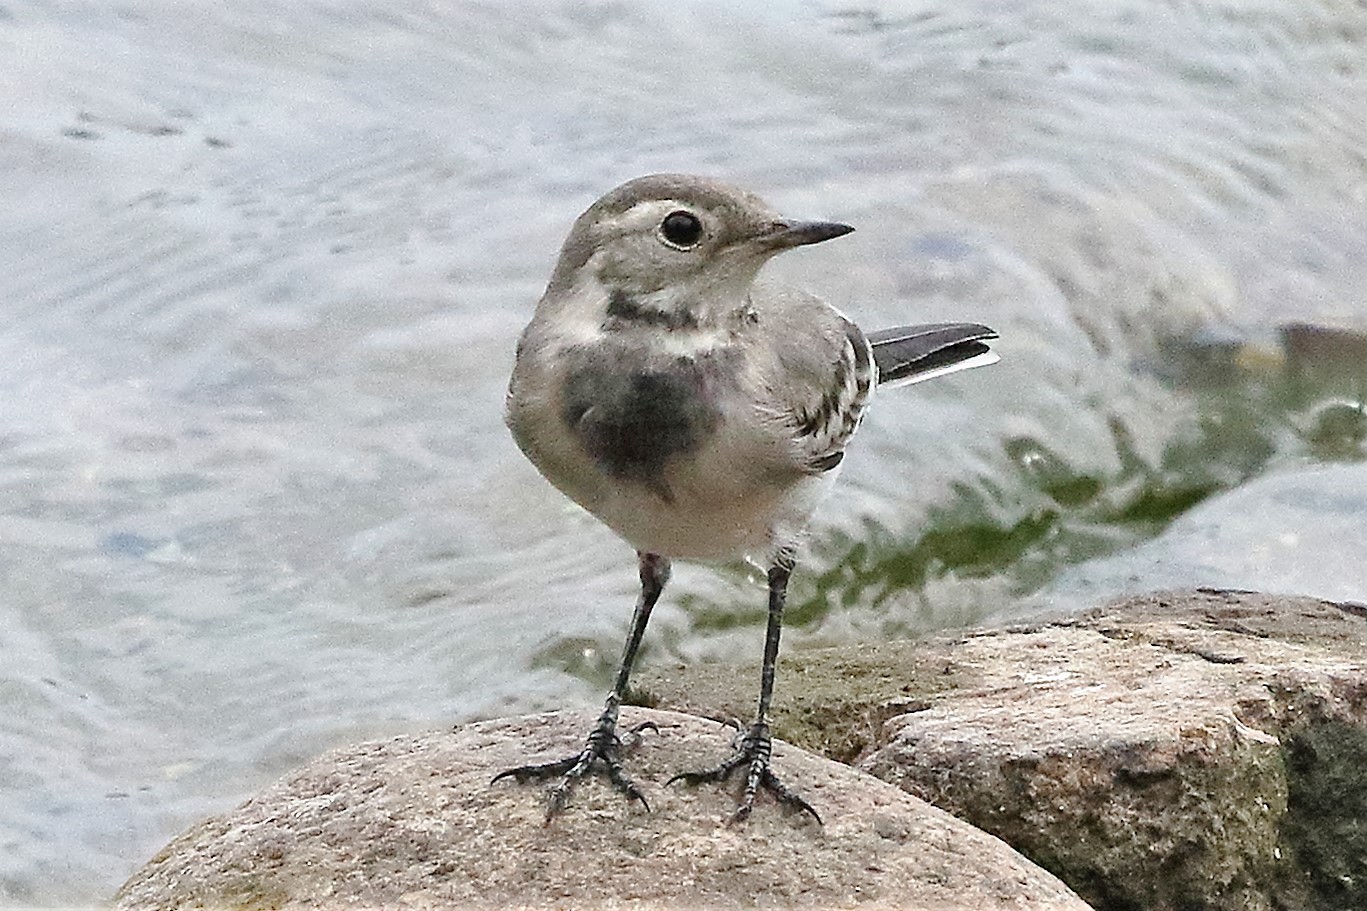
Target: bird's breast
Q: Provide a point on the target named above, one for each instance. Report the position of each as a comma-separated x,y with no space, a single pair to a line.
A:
663,443
633,414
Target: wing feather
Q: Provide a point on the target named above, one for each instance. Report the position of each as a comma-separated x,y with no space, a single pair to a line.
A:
911,354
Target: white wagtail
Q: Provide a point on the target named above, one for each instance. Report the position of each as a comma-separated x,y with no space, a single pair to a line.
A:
698,412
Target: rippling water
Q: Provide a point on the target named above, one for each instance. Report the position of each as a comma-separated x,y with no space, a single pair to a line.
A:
262,265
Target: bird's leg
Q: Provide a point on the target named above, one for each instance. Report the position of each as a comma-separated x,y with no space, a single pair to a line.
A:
754,747
603,746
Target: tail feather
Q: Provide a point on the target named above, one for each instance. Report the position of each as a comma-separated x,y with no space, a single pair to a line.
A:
910,354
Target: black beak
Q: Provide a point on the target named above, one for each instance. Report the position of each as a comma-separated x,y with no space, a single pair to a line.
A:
786,234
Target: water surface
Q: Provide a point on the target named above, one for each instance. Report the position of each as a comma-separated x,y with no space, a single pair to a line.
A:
263,264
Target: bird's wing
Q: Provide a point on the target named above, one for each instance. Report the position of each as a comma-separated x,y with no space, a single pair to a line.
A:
826,416
910,354
816,371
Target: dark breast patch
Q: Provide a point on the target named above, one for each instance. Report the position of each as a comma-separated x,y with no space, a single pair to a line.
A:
632,417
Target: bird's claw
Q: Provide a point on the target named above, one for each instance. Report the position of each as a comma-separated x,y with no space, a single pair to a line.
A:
753,752
525,773
600,752
633,738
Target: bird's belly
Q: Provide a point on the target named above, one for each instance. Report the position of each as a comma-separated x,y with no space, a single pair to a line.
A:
717,511
721,503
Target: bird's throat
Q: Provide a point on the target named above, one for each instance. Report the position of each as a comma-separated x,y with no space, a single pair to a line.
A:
626,310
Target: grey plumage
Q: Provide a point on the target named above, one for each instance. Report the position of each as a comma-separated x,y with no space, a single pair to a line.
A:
697,411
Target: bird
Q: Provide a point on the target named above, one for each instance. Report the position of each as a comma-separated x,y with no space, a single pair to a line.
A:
702,413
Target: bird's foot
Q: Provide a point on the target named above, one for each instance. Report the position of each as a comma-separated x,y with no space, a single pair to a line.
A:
753,749
602,752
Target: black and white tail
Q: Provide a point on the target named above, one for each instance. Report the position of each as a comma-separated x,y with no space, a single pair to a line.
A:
910,354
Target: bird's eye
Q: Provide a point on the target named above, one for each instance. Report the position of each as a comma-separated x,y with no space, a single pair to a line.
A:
681,229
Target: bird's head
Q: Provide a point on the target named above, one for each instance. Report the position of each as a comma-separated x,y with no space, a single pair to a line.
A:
671,241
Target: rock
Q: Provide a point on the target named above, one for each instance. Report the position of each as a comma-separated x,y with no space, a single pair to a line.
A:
1200,749
414,822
